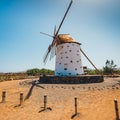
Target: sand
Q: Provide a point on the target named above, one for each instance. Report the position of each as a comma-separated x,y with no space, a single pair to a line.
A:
95,101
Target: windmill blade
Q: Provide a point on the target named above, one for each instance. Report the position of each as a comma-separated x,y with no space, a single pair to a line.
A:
46,57
52,52
46,34
54,30
49,48
47,54
89,60
53,44
55,34
63,18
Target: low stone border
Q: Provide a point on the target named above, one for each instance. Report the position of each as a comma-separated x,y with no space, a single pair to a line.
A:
71,79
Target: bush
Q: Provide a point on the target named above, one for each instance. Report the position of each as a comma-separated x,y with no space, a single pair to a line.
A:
109,67
38,72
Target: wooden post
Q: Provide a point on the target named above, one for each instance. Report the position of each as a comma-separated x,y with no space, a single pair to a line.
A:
21,99
45,102
3,96
76,113
75,106
45,105
116,109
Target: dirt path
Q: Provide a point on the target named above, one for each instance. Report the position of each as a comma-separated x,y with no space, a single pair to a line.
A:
95,101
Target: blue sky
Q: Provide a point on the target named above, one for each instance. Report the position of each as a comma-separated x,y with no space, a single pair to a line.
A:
95,24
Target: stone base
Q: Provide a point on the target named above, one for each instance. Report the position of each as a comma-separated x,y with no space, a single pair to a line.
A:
71,79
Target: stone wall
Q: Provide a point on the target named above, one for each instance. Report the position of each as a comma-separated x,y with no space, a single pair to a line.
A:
71,79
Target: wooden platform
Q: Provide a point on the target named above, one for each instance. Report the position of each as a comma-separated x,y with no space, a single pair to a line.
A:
71,79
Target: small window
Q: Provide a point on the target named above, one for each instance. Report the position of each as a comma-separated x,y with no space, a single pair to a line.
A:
65,52
75,68
77,50
77,61
67,46
65,64
65,68
59,63
61,57
66,56
61,53
77,54
69,73
61,46
70,50
71,61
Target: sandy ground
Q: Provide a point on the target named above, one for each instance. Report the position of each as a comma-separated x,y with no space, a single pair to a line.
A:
95,101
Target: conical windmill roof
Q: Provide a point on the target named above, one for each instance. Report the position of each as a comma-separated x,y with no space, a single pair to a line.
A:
66,38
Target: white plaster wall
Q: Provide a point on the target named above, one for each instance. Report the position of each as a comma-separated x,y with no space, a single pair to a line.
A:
68,60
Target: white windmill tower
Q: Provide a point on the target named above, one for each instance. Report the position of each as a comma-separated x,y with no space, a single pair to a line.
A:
68,57
67,51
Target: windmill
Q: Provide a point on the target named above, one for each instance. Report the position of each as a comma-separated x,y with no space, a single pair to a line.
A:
67,51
